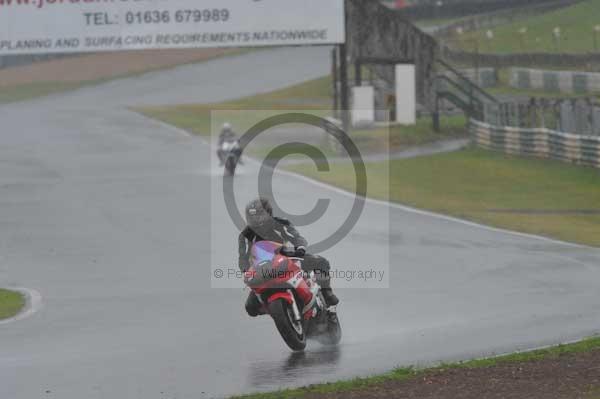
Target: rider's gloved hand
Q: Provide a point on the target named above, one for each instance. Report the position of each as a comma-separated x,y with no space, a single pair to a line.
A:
300,251
288,249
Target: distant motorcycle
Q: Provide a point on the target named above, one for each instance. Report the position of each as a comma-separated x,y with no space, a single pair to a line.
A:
290,296
229,155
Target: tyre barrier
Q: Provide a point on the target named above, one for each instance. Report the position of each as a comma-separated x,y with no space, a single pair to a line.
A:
537,142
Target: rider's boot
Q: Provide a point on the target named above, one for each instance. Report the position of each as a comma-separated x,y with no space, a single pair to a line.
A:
330,298
332,316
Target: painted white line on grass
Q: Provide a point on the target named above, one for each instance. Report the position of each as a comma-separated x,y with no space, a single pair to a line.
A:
422,212
401,207
167,126
33,303
539,348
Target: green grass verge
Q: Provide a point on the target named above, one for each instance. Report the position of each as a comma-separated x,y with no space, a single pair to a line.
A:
11,303
402,374
576,22
437,22
33,90
535,196
380,140
22,92
398,137
313,96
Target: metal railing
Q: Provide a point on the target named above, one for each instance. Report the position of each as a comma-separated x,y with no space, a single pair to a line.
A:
455,87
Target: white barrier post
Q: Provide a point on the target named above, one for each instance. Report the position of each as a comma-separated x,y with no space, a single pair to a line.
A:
363,106
406,94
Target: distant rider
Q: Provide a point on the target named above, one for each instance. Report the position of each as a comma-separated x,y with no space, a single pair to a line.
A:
263,226
227,135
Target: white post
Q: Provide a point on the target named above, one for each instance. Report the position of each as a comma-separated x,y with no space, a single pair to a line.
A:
406,94
363,106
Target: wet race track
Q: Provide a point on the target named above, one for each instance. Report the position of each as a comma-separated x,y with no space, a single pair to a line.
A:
116,220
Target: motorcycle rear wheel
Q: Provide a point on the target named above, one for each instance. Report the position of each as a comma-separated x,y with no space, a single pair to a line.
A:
333,336
230,166
291,331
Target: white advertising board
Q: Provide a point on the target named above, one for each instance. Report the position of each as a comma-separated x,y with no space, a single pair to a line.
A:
65,26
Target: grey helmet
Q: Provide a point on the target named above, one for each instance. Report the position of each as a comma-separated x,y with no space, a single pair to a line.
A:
259,212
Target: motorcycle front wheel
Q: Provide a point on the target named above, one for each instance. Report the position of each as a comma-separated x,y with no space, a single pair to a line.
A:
291,331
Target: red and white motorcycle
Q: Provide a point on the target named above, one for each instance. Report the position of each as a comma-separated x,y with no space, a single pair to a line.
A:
290,296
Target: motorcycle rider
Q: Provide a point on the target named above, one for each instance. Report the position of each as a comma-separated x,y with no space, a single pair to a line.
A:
227,135
263,226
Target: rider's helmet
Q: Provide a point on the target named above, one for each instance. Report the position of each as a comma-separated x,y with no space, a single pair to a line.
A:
258,212
226,127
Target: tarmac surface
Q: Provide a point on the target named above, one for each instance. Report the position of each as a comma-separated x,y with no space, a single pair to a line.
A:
118,222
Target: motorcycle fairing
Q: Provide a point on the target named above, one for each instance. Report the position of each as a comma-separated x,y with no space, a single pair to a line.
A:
264,251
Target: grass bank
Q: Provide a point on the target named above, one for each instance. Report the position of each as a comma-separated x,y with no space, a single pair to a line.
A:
34,90
541,197
40,79
535,34
196,118
11,303
535,196
437,380
313,96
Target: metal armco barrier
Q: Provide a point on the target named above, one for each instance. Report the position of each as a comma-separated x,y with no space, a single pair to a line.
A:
540,142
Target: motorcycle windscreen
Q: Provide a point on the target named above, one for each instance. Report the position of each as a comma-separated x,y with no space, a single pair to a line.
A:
264,251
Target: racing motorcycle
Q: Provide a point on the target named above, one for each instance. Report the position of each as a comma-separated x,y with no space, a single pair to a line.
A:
290,296
230,154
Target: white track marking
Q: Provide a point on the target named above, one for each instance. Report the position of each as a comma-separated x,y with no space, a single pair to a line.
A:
431,214
391,204
33,304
